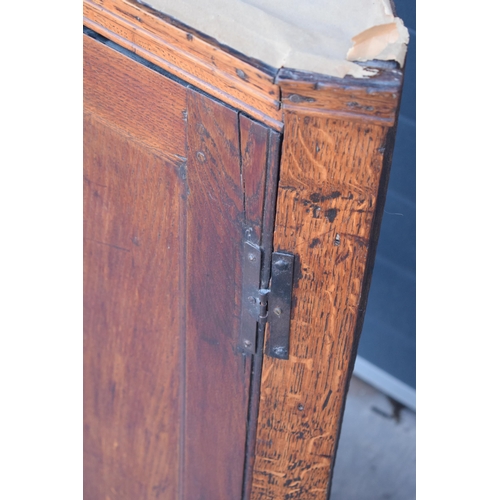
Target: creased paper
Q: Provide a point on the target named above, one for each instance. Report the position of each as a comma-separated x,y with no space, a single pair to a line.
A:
322,36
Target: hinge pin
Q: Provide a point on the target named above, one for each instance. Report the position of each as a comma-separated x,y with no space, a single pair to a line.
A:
263,294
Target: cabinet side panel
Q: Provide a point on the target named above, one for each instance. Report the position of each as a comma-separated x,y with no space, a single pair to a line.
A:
327,198
132,251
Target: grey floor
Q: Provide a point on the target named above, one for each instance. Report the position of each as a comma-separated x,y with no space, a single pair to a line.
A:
376,455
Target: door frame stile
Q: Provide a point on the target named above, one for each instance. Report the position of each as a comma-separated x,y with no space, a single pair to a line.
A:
334,169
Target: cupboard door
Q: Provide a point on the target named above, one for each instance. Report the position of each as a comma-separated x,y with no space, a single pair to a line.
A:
173,180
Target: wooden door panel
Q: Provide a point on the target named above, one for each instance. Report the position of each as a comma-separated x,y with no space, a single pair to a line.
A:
254,150
145,104
132,316
217,376
173,179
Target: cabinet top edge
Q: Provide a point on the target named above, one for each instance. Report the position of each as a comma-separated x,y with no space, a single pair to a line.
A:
260,90
325,36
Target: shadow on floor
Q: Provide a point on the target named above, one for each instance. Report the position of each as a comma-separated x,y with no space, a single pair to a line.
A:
376,454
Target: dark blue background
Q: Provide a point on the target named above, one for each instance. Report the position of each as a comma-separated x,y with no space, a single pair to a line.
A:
388,337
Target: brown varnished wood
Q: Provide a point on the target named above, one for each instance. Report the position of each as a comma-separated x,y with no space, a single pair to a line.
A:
205,400
133,202
273,161
254,148
132,206
217,376
188,56
237,81
145,104
169,185
375,98
327,199
250,169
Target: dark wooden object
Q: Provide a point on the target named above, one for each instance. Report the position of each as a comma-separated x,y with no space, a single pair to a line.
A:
187,55
166,392
174,178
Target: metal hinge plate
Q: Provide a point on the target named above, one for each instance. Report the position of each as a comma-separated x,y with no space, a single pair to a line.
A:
250,297
280,305
261,305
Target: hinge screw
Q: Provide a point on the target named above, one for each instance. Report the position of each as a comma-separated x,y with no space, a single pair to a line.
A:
253,300
277,311
251,257
247,344
281,265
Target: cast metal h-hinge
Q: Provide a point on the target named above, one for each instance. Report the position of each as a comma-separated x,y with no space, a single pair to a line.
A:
272,305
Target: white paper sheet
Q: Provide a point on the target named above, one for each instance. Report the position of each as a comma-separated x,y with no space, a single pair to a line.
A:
323,36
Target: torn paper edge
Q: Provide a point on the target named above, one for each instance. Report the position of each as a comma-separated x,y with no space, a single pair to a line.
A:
275,41
383,42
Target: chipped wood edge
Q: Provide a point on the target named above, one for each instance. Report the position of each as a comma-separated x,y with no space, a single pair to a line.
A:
375,99
263,95
187,56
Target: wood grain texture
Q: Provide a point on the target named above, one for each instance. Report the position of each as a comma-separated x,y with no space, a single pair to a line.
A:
217,376
222,202
166,392
133,205
187,55
208,165
134,98
133,201
266,242
234,79
327,198
375,98
254,148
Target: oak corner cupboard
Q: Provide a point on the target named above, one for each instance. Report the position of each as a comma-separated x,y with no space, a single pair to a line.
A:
234,181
